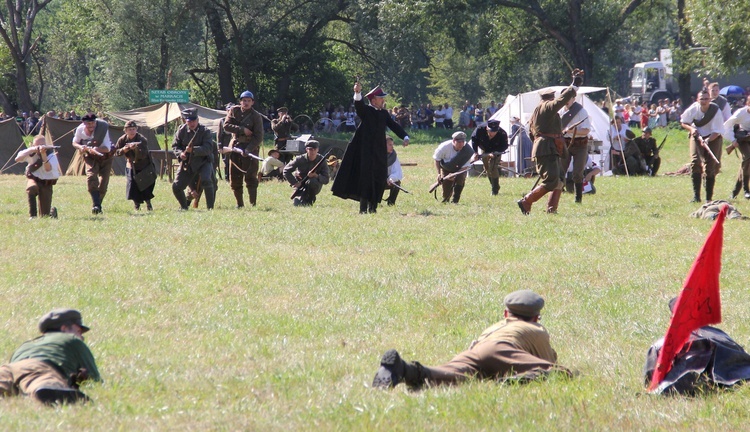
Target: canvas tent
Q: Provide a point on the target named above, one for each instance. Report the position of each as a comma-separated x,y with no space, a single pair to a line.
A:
11,142
522,106
60,133
154,116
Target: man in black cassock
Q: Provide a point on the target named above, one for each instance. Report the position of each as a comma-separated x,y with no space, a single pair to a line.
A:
364,169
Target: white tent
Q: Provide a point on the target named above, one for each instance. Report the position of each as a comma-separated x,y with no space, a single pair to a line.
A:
157,115
523,105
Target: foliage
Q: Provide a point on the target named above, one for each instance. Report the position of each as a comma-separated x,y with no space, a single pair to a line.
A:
723,29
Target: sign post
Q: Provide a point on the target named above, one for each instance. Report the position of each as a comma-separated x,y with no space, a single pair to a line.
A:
168,96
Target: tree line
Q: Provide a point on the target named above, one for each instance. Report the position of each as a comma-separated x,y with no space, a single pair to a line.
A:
107,54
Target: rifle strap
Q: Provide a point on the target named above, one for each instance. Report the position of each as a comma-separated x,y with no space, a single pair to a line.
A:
708,116
572,112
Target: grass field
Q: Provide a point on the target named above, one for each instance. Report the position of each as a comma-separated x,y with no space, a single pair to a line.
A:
274,317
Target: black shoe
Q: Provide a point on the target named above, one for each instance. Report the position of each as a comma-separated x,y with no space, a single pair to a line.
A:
96,210
391,372
53,213
137,207
149,207
51,396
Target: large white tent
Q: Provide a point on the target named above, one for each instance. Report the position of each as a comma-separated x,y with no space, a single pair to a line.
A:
522,106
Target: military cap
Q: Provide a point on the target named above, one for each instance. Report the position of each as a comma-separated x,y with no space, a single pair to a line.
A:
89,117
493,125
525,303
459,136
247,94
131,123
57,318
647,129
190,114
547,94
376,92
282,109
312,144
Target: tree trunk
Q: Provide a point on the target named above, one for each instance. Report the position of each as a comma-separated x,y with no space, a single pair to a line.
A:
22,87
684,42
223,55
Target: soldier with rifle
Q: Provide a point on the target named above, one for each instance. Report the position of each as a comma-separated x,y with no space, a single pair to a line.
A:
246,126
283,126
395,173
307,173
92,140
194,148
42,173
703,120
453,157
737,131
649,151
493,141
51,367
549,145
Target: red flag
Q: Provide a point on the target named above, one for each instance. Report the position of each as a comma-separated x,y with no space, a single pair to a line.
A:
699,302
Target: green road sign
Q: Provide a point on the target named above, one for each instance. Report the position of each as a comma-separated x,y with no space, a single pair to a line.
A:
181,96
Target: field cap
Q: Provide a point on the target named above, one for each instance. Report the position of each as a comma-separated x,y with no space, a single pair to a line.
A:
190,114
312,144
89,117
376,92
525,303
459,136
647,129
131,123
247,94
493,125
282,109
547,94
57,318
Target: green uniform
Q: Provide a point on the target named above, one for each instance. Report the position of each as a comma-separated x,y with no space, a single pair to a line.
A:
62,351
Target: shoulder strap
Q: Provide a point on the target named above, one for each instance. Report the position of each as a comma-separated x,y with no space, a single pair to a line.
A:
710,113
572,112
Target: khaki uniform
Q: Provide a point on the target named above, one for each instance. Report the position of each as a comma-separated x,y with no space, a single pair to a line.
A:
544,127
244,167
509,347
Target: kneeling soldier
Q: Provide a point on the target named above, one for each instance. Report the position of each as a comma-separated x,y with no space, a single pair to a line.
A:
307,173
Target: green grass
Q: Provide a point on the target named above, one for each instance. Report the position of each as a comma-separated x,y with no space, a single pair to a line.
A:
274,317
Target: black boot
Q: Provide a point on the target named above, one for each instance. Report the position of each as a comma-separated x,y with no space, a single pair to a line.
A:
97,202
32,206
149,207
710,181
238,196
181,198
50,396
393,370
457,189
579,192
363,205
210,193
697,187
372,207
495,182
392,197
737,189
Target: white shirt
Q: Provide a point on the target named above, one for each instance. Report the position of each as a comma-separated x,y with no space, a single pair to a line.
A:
581,115
740,117
30,156
394,172
617,143
716,125
269,164
439,115
445,152
81,136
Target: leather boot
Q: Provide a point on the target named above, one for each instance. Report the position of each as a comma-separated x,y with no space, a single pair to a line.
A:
180,195
210,193
32,206
393,370
710,182
525,203
553,201
579,192
253,194
238,197
696,187
457,189
737,189
495,182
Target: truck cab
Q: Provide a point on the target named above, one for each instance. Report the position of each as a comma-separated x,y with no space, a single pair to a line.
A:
649,82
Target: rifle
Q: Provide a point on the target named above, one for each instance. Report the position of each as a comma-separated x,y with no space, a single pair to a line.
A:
306,180
245,154
704,144
658,149
189,152
397,186
91,151
448,177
